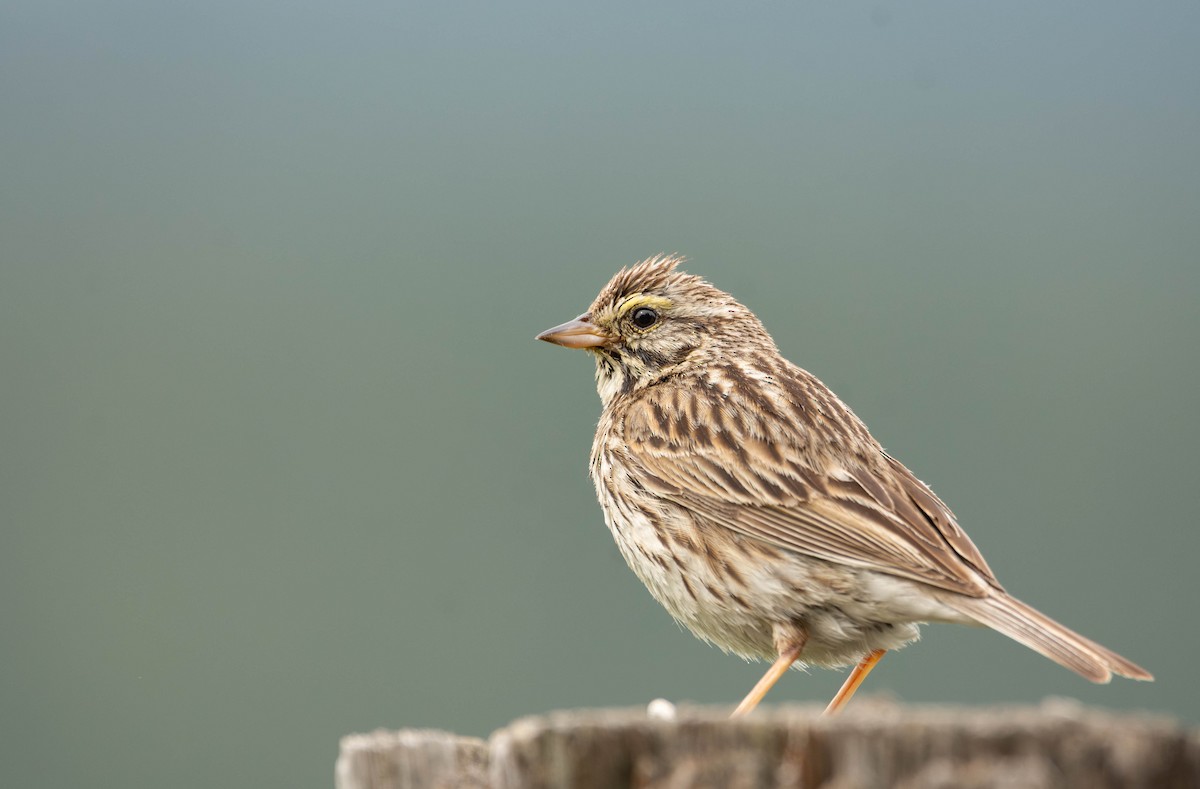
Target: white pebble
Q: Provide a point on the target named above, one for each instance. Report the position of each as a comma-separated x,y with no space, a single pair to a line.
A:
661,709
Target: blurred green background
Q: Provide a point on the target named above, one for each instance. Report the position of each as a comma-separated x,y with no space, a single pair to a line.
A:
282,461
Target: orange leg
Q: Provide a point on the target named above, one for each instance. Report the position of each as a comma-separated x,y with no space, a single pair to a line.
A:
785,660
852,682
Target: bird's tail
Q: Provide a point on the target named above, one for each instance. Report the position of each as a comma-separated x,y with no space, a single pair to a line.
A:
1042,634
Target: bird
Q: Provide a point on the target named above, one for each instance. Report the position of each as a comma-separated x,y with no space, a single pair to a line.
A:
758,509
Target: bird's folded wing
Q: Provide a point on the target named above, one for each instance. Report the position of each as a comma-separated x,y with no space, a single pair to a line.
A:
889,522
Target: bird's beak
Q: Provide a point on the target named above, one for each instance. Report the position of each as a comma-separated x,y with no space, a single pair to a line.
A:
579,333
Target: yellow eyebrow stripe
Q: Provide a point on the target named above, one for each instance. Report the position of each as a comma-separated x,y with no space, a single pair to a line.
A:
643,300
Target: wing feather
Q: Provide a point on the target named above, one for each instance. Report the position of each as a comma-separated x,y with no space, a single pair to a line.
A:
866,512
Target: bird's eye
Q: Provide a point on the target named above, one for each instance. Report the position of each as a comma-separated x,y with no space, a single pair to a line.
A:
644,317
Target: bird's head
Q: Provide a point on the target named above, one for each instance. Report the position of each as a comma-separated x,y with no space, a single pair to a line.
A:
651,321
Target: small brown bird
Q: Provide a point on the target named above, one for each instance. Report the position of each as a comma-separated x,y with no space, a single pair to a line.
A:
758,509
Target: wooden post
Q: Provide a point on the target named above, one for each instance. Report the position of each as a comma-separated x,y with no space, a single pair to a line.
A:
1059,745
412,759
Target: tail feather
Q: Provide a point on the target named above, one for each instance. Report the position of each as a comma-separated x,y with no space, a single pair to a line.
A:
1042,634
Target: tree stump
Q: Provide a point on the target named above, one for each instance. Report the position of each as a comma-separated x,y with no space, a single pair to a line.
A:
1058,745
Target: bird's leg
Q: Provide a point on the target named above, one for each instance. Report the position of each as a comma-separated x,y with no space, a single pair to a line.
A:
852,682
789,653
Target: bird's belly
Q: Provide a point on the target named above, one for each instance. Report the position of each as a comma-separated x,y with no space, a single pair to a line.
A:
732,590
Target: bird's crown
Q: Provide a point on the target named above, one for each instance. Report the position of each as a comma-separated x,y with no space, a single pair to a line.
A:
652,275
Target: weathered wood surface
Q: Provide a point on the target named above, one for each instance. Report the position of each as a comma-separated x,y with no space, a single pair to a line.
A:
1059,745
413,758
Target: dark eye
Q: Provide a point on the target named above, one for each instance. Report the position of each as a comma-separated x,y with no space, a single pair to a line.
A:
644,317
